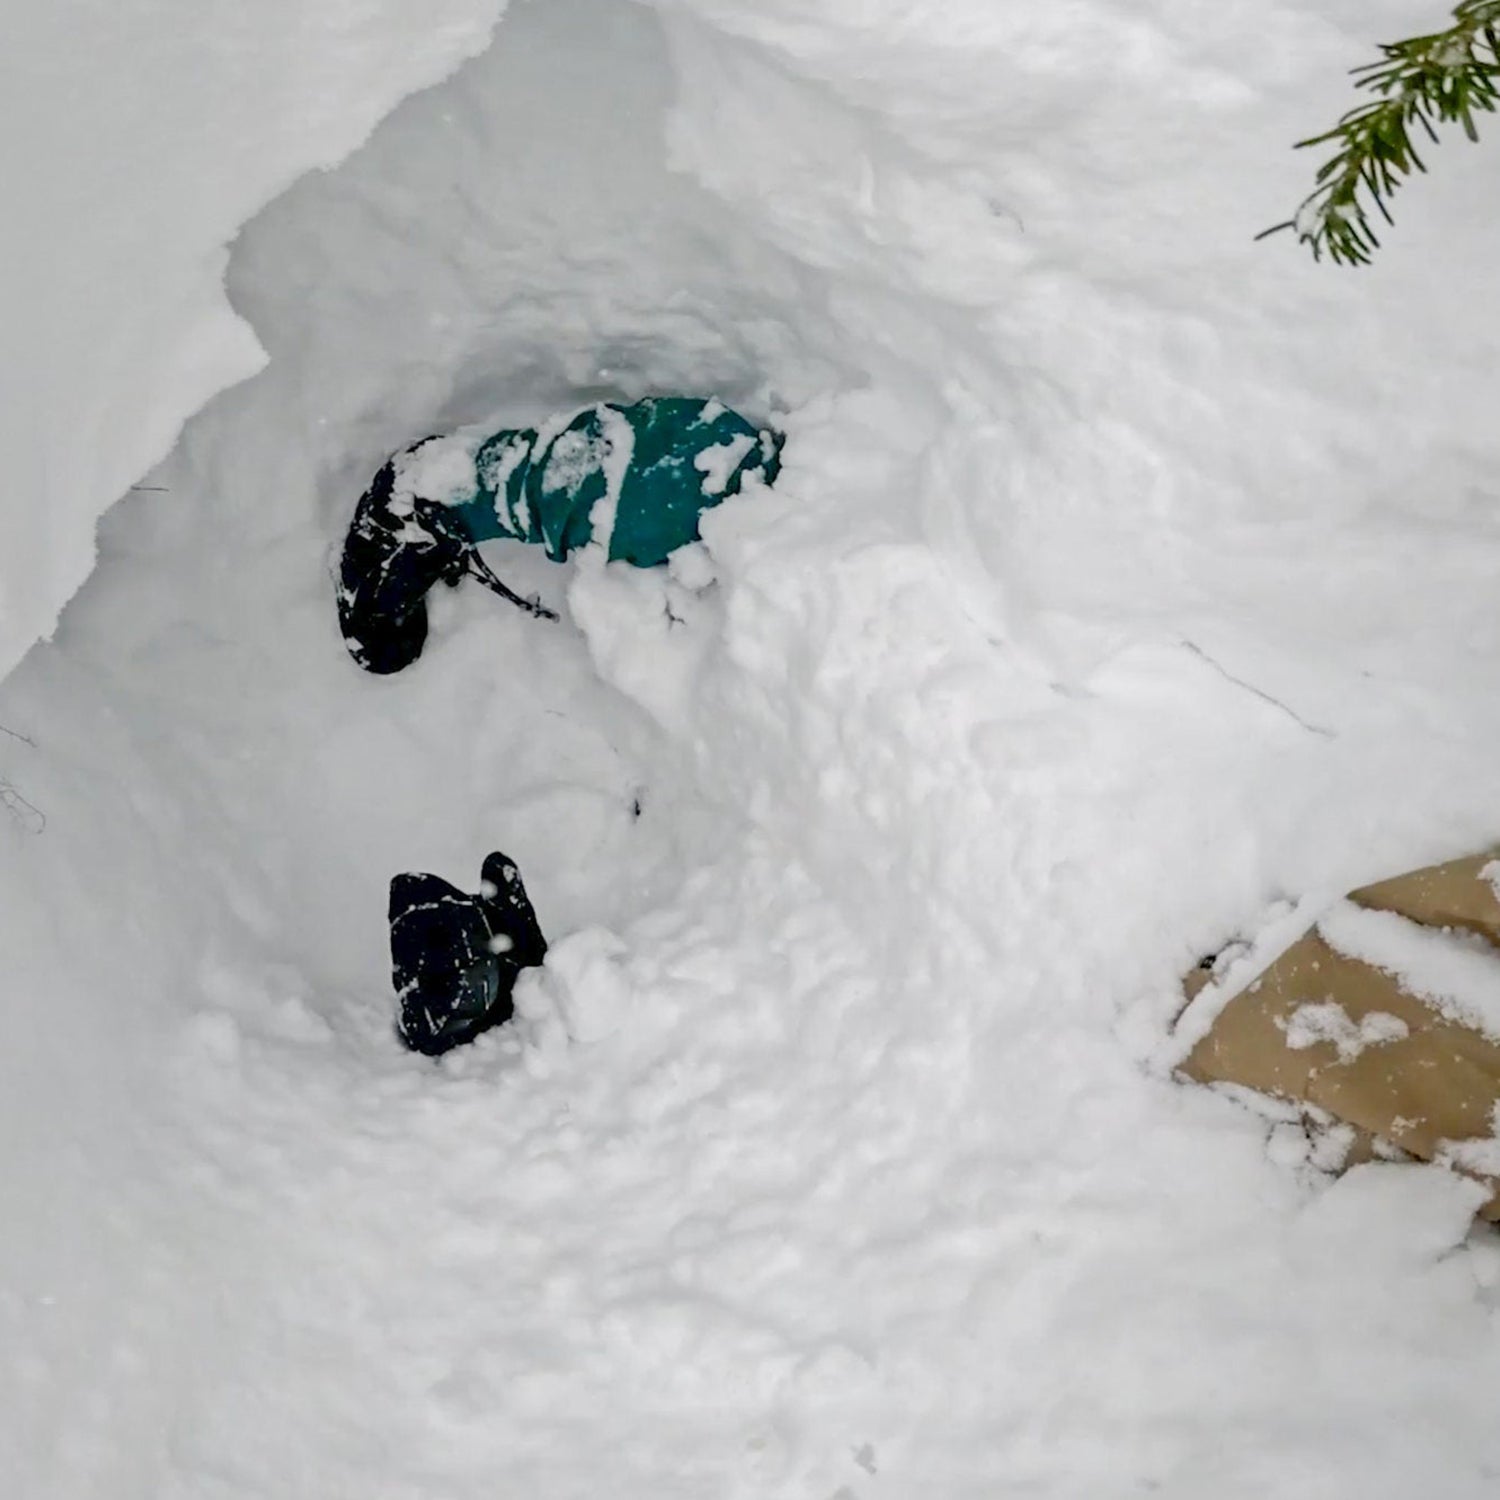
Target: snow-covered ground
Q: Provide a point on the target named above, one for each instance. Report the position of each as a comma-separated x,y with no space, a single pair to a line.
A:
1124,577
136,136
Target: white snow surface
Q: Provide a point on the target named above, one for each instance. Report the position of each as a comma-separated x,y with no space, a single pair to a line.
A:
1125,577
136,136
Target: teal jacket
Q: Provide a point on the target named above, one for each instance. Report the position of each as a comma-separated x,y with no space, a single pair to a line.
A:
642,474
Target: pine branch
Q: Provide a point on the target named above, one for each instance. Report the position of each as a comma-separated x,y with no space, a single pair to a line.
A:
1425,81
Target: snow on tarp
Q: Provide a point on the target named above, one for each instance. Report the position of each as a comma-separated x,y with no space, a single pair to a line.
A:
136,136
1457,973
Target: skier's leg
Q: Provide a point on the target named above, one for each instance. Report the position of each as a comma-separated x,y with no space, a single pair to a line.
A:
392,556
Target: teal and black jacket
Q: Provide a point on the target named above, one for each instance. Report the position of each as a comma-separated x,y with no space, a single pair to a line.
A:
641,475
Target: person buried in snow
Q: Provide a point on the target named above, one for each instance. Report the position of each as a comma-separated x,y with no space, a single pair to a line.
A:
634,478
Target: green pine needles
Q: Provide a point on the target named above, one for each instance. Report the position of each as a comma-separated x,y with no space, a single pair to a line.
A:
1425,81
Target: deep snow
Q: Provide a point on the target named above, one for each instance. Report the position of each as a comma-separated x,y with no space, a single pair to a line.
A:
1124,578
136,136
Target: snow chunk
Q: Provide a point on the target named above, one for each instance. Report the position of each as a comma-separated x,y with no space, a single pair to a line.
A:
1330,1022
717,464
582,985
1329,1145
577,454
441,469
692,566
500,463
618,450
573,458
1480,1154
1396,1217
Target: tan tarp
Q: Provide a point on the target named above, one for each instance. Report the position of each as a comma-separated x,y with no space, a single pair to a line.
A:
1423,1091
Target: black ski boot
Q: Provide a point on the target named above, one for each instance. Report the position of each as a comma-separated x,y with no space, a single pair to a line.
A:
455,957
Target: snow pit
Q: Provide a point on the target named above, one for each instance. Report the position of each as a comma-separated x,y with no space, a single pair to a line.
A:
1114,590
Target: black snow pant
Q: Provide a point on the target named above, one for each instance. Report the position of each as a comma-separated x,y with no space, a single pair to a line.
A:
455,957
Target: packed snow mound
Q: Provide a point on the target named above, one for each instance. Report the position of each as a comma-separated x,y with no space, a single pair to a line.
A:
136,137
1124,579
